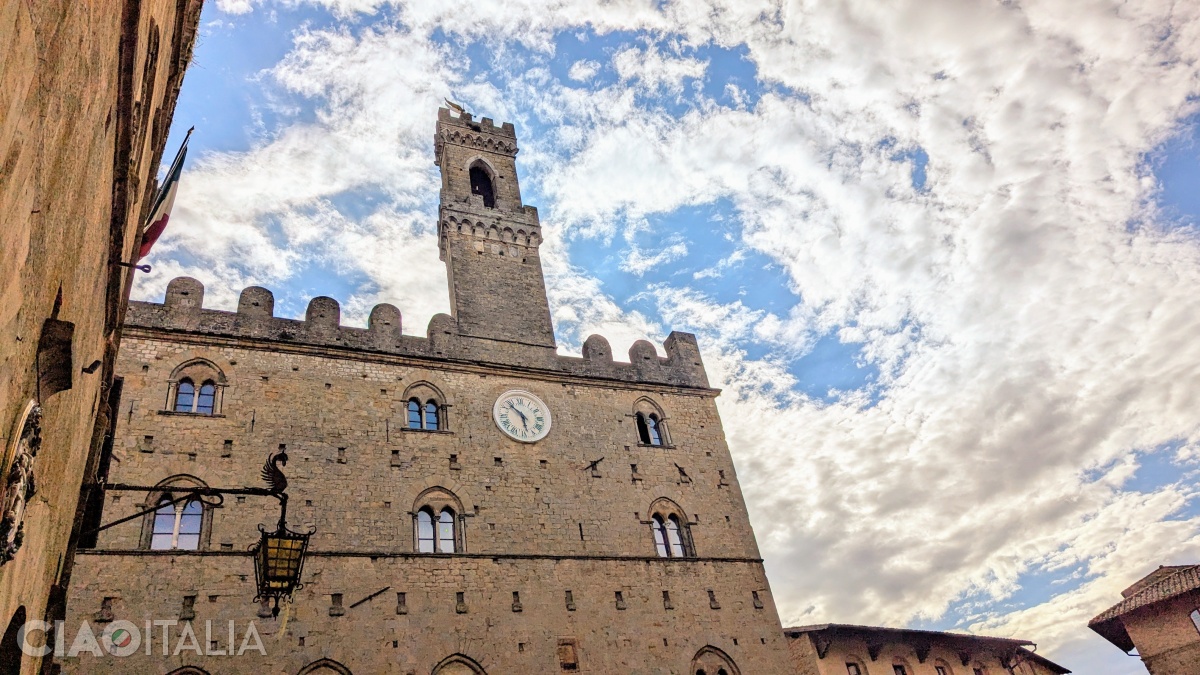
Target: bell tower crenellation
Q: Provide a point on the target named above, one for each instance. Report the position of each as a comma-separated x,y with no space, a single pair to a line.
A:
487,237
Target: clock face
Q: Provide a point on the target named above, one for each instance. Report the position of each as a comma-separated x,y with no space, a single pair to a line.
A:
522,416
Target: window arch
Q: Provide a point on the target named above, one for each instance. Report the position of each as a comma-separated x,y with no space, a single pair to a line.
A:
179,522
196,387
481,184
712,661
651,423
671,530
438,522
424,408
324,666
942,667
458,664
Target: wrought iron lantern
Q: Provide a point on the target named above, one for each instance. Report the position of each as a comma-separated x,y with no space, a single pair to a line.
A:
278,555
278,563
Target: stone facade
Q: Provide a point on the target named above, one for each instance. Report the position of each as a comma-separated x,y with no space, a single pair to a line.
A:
87,92
839,649
555,566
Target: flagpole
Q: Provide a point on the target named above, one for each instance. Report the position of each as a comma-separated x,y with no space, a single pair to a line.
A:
162,189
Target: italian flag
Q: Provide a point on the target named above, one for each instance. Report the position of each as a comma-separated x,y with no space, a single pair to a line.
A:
163,201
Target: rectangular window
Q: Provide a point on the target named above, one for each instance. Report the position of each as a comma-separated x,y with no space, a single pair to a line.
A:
1196,619
852,669
941,670
899,670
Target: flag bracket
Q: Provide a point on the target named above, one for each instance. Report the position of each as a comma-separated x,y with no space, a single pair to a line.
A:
140,268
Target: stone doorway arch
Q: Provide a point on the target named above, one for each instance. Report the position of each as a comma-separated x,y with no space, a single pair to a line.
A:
324,667
712,661
459,664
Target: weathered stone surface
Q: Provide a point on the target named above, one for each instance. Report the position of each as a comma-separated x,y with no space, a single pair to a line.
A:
546,521
87,91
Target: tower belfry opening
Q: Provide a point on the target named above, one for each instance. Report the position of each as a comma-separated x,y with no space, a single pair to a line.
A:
481,184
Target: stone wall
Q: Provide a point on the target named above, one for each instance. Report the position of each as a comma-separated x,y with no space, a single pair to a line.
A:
1166,638
383,636
534,519
87,91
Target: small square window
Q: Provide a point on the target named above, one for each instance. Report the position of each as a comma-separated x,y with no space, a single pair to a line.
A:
1196,619
899,670
852,669
941,670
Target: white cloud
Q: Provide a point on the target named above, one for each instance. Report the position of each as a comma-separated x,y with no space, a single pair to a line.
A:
1032,322
653,70
583,70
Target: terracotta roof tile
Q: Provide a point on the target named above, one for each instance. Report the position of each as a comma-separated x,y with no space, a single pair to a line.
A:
1187,578
1161,584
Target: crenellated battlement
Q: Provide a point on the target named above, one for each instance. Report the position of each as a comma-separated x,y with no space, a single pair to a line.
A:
183,310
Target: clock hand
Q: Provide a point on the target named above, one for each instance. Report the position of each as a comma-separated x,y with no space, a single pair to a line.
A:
524,420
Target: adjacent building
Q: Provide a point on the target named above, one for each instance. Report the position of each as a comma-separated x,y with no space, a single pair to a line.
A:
87,92
842,649
480,504
1160,617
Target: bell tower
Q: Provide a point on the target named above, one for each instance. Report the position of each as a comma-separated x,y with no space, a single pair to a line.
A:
488,239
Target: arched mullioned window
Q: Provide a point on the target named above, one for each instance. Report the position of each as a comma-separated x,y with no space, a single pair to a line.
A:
481,184
650,423
425,408
668,537
176,525
438,524
436,534
672,536
649,429
425,416
189,400
196,387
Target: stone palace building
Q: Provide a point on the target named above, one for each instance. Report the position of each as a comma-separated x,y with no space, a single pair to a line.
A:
480,503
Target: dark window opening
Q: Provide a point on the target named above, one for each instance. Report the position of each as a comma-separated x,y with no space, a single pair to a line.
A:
425,539
481,184
446,531
183,396
642,429
204,402
652,428
431,416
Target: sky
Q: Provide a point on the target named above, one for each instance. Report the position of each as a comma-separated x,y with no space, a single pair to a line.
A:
941,255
